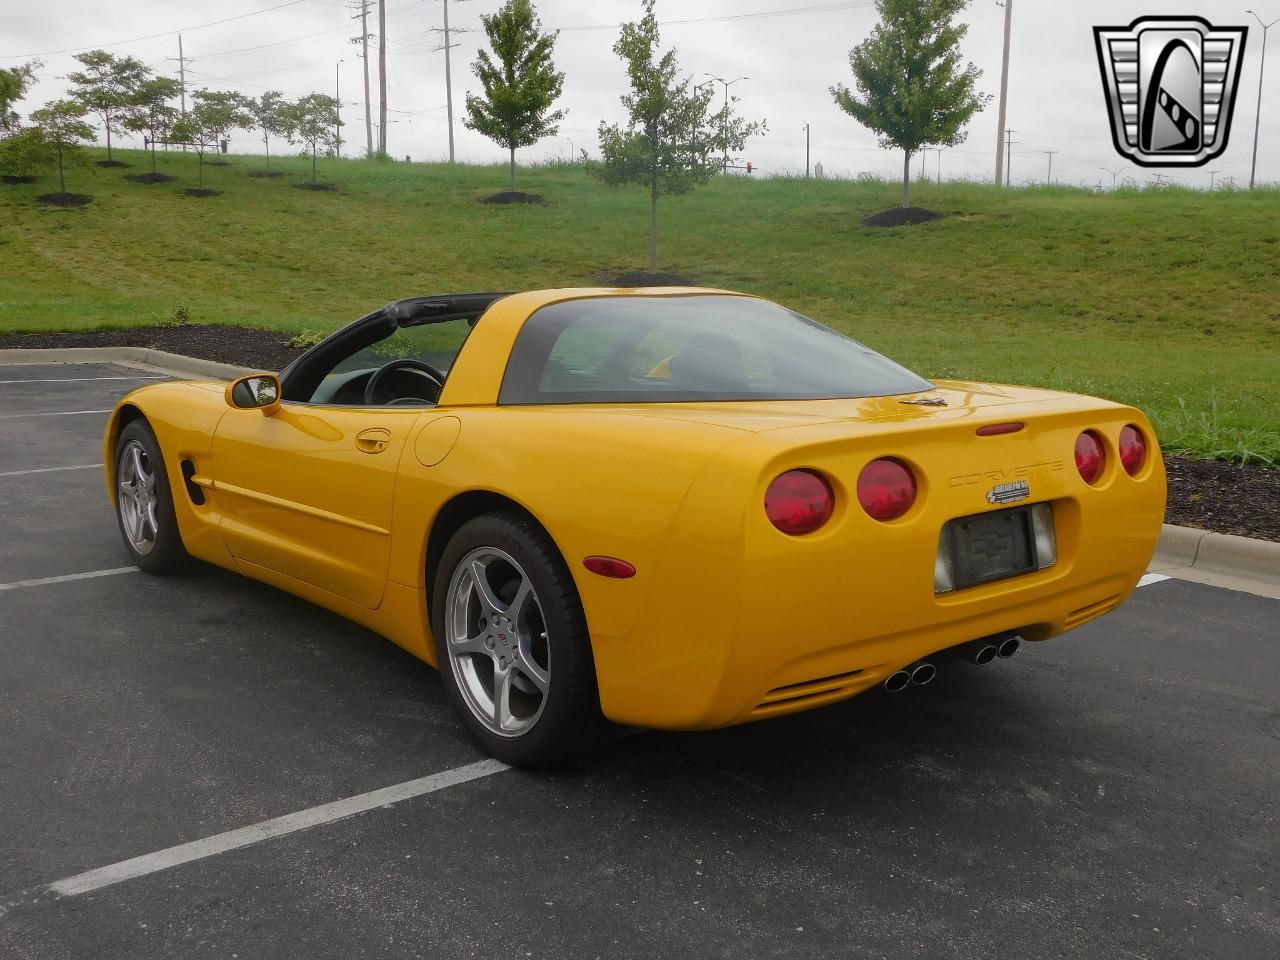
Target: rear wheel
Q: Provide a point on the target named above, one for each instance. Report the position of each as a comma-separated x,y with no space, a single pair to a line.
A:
512,642
144,502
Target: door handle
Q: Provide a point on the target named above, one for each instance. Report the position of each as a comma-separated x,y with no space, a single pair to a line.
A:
373,440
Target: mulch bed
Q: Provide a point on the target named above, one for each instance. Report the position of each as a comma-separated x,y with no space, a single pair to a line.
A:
266,173
113,163
642,278
1206,494
201,192
264,349
901,217
149,178
312,185
514,196
219,163
13,179
1224,497
65,199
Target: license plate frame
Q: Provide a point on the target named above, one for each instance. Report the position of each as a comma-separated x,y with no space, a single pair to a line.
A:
993,546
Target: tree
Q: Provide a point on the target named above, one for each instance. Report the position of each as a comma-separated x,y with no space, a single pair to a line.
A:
313,122
913,90
670,135
212,117
151,111
520,89
14,84
27,152
62,125
271,116
107,86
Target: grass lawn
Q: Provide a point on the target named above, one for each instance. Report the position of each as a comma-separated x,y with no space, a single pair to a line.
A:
1166,299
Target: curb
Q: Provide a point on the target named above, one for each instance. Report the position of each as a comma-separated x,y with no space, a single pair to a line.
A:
158,360
1191,554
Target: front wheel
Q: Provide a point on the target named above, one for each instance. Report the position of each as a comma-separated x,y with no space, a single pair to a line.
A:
512,642
144,502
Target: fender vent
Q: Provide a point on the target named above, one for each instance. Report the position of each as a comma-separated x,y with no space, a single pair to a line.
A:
193,491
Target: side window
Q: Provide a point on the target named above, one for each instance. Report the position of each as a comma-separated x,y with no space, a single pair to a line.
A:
435,343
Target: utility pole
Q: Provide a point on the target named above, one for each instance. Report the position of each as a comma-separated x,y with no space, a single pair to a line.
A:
1212,174
448,77
182,84
382,76
1257,122
806,151
1114,174
724,120
1008,155
363,40
1004,93
337,111
1051,153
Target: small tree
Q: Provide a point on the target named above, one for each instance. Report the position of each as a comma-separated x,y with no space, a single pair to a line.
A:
14,84
212,117
62,125
313,122
27,152
671,133
108,87
271,117
152,112
520,89
913,91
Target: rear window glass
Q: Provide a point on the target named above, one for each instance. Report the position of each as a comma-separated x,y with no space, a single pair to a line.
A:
690,348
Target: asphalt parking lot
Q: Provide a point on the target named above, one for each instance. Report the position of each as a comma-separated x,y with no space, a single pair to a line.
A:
1112,793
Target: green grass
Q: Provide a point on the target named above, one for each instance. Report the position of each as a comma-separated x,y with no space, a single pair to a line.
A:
1166,299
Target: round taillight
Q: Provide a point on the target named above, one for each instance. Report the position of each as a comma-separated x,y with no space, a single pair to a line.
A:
886,489
1091,456
799,501
1133,450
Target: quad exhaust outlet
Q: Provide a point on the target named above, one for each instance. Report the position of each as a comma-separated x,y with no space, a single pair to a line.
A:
918,673
987,649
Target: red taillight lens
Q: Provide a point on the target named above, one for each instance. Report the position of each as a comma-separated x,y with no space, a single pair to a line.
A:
1133,450
886,489
1091,456
799,501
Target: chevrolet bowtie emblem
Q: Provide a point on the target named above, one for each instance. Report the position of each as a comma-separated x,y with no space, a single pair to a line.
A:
1170,84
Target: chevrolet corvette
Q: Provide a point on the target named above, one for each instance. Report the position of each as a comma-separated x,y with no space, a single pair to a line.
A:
673,508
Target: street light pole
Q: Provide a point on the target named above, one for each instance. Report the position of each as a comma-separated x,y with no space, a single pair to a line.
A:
724,120
1257,123
337,111
1114,174
806,151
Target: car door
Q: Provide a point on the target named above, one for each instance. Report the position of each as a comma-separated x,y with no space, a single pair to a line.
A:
308,492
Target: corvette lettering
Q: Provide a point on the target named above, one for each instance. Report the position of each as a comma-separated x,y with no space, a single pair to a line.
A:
1026,472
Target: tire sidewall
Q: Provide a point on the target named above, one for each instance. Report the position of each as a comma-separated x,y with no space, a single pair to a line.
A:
567,637
168,553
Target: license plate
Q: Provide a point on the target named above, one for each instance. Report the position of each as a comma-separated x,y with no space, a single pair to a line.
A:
992,546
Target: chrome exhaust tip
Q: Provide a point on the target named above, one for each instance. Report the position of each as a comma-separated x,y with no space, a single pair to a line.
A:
897,681
923,673
1008,647
980,652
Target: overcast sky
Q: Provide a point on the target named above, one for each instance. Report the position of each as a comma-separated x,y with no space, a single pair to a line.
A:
792,52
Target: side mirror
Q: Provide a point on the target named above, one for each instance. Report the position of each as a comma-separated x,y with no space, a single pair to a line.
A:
258,391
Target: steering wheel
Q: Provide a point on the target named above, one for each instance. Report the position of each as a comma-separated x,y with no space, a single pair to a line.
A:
405,363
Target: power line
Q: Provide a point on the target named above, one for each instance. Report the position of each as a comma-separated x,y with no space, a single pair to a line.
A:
790,11
156,36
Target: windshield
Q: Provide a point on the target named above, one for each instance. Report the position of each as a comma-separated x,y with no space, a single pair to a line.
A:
705,347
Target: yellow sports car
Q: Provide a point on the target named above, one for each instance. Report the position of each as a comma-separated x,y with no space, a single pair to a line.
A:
676,508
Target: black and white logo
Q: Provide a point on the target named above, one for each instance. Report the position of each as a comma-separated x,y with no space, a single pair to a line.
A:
1170,84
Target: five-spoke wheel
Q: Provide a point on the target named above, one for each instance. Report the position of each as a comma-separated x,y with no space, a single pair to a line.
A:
144,502
136,496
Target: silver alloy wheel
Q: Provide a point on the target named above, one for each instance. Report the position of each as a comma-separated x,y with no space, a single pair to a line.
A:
496,639
136,495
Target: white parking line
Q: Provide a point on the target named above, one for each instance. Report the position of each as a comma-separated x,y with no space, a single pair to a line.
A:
76,379
45,581
56,413
269,829
1151,578
23,473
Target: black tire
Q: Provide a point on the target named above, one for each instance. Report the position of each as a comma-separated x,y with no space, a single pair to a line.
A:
570,722
167,554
